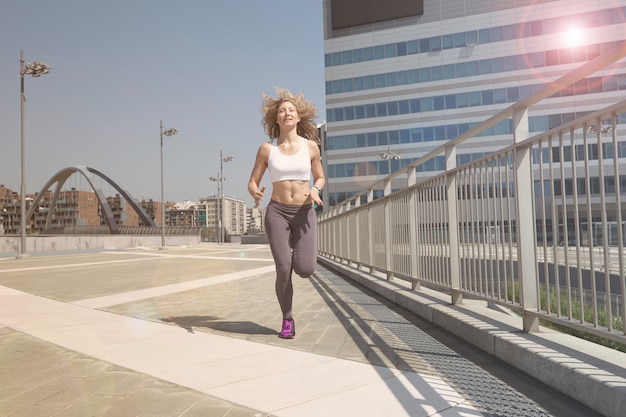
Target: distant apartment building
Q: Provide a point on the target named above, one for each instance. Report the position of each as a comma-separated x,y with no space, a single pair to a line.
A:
82,208
153,209
255,219
7,198
234,216
206,213
186,214
232,212
10,211
73,208
122,213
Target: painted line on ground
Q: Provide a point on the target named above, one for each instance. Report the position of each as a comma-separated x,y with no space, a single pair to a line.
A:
121,298
148,257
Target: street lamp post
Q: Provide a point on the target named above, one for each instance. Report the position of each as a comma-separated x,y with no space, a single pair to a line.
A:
220,195
35,69
218,178
388,155
164,132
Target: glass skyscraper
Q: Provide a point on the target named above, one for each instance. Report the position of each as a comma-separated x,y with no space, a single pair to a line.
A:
403,76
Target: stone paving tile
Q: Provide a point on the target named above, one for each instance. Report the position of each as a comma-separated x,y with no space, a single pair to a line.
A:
40,379
208,407
328,349
333,318
328,319
36,410
176,403
92,405
156,271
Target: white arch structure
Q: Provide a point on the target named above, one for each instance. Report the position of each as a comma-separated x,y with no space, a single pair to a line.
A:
60,177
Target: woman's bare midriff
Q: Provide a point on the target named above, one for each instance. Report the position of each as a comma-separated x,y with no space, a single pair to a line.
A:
291,192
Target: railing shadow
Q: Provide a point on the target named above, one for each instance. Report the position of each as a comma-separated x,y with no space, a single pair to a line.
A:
419,352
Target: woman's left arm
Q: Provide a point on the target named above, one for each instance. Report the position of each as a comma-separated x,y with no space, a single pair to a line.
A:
318,173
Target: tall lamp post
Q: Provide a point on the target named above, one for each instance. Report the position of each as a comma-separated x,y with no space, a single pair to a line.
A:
388,155
164,132
35,69
220,195
218,178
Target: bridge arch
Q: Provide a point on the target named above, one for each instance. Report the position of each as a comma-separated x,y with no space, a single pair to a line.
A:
61,177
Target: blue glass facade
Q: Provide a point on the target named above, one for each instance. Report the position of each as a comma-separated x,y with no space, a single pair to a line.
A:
590,19
470,99
407,93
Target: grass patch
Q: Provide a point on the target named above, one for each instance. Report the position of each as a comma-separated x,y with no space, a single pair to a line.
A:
577,310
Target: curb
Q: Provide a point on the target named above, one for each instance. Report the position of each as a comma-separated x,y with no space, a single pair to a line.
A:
589,373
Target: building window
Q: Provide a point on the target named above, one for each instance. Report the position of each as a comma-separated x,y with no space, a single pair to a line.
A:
509,32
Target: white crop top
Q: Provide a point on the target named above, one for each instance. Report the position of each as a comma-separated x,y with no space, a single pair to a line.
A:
289,167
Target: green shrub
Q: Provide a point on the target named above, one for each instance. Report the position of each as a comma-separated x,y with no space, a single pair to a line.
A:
563,309
618,324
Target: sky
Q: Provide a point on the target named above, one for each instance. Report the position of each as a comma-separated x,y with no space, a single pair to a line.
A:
119,67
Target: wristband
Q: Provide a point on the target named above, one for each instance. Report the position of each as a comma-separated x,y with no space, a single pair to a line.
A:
319,190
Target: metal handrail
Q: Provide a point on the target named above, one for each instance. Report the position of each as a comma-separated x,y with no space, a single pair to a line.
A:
492,229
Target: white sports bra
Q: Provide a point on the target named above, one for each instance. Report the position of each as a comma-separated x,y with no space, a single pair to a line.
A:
289,167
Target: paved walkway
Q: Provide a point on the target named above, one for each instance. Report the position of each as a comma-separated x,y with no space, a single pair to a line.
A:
193,332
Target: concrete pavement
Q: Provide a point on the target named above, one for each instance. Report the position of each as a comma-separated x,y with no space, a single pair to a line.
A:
192,331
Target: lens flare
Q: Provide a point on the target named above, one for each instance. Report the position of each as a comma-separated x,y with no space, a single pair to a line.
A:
573,37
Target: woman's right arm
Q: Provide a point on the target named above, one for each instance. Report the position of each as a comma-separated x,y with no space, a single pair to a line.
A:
260,165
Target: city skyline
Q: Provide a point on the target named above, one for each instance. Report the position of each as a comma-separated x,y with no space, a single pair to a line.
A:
115,193
120,68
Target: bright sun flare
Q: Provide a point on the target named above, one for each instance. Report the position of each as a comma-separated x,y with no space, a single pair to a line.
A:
573,37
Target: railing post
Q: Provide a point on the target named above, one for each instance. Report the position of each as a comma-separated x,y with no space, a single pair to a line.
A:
370,237
350,237
387,189
388,234
332,242
453,226
525,223
340,238
413,229
357,235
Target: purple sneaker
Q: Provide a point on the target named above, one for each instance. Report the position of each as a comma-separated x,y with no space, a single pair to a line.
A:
289,329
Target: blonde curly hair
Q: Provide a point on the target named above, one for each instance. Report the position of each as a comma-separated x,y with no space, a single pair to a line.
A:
307,128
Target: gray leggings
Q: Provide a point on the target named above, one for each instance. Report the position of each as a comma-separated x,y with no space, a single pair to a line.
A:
292,234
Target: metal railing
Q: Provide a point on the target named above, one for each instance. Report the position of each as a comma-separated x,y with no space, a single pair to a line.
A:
123,230
537,226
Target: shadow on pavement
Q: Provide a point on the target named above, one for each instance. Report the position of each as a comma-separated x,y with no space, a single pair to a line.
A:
216,323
